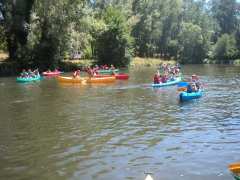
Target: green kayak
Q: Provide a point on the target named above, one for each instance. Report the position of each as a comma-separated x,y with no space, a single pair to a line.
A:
30,79
107,71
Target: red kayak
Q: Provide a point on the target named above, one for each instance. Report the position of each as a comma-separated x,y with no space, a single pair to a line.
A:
120,76
53,73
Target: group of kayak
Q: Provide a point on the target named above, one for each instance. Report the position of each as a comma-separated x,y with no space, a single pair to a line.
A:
96,74
171,76
29,75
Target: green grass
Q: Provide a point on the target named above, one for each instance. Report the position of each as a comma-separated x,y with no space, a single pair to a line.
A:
139,62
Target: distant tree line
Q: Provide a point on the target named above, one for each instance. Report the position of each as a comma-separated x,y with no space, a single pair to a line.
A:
43,32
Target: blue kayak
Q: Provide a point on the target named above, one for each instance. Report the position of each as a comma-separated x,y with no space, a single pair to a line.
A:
184,96
168,83
20,79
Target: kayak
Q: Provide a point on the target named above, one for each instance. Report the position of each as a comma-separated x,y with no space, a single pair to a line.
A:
54,73
30,79
107,71
108,79
185,96
235,169
168,83
65,79
120,76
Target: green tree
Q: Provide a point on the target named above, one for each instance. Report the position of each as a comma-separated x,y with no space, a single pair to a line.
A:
226,13
225,48
16,18
113,44
51,26
193,48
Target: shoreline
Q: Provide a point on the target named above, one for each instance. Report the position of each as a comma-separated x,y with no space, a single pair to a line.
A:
8,68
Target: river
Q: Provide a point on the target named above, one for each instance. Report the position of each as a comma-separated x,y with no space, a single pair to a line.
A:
121,130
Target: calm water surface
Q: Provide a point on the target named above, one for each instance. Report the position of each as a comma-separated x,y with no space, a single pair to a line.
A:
120,131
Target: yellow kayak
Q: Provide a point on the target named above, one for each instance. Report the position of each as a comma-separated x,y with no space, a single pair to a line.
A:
109,79
65,79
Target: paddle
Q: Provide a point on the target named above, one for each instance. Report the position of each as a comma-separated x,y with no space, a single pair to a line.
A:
182,86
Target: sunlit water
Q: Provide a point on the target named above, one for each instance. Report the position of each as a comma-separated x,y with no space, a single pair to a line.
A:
121,130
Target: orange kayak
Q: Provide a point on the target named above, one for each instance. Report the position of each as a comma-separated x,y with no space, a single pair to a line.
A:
120,76
65,79
235,169
107,79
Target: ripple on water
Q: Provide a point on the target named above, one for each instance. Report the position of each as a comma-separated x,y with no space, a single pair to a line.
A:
120,131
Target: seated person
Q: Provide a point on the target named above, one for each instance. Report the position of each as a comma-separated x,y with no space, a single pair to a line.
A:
36,73
112,67
30,73
76,74
24,74
156,79
164,78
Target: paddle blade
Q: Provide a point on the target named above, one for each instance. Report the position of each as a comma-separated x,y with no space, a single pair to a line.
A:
182,89
182,84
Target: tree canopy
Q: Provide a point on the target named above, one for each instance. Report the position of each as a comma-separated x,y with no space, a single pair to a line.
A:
42,33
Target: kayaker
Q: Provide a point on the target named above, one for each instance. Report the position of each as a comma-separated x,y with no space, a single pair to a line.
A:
36,73
156,79
195,80
90,72
164,78
112,67
76,74
30,73
24,74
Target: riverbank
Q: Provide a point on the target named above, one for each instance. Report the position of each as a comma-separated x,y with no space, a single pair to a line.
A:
135,62
8,68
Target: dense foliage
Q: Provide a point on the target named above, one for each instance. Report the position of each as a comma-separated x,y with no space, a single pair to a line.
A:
42,33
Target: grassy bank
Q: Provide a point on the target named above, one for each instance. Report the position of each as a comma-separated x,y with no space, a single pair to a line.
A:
135,62
140,62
